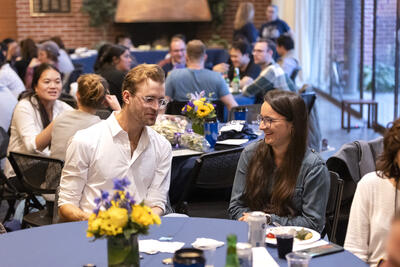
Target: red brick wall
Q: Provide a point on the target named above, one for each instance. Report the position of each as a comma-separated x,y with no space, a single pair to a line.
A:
75,30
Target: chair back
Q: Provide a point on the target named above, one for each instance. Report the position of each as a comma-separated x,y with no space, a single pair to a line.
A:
103,113
4,139
40,175
294,73
309,99
333,206
252,112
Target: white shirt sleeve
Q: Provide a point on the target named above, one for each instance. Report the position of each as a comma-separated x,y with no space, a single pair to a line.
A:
74,174
358,230
158,190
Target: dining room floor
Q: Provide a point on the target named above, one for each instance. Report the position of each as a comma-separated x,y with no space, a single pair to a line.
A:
329,117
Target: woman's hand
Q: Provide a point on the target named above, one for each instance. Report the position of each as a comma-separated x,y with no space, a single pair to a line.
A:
112,102
34,62
244,217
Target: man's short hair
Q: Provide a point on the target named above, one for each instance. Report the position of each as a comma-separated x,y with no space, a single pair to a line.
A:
242,46
196,49
273,6
140,74
285,41
178,37
270,44
121,37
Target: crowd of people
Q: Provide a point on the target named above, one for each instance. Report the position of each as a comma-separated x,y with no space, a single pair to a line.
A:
279,174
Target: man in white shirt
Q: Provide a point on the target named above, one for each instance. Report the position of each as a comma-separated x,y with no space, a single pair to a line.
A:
121,146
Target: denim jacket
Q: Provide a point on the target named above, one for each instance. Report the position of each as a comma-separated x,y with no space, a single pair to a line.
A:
310,197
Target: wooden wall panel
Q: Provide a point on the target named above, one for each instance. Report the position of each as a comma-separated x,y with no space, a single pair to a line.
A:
8,19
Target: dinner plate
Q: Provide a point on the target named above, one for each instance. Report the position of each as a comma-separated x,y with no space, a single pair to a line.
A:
316,236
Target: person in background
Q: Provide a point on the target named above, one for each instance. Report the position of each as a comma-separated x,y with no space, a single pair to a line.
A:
48,52
240,57
29,51
375,202
243,27
280,175
92,94
393,244
125,40
32,119
100,53
177,51
65,64
272,75
13,51
274,27
285,50
8,77
195,78
122,146
113,66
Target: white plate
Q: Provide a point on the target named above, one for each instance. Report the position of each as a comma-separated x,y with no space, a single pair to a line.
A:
316,236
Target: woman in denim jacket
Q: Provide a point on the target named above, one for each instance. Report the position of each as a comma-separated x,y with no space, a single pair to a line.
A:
280,175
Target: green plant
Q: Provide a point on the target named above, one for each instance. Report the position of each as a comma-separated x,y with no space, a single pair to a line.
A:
101,13
217,8
384,78
217,41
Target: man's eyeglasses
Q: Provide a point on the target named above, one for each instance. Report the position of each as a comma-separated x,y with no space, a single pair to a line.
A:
150,100
267,121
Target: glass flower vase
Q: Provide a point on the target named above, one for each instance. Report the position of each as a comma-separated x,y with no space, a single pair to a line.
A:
123,252
198,128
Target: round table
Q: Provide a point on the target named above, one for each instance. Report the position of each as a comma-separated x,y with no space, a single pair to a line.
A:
66,244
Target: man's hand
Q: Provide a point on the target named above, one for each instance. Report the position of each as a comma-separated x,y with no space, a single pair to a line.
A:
112,102
244,217
157,210
221,67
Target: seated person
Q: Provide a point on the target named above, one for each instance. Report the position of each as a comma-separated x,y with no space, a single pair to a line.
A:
393,244
274,27
92,94
113,66
122,146
272,75
287,59
124,40
100,53
65,64
8,77
240,56
29,51
177,54
375,202
195,78
243,26
280,175
33,117
12,51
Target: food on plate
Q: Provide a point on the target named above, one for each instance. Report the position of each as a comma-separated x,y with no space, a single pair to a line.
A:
270,235
303,234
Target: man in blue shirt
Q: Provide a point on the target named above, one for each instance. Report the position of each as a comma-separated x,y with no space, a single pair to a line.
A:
274,27
195,78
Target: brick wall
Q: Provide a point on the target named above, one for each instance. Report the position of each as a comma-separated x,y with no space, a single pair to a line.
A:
75,30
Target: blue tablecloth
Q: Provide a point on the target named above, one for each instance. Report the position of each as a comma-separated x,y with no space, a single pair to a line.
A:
214,56
66,244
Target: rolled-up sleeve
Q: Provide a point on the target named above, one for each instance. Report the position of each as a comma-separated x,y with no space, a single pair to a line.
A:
158,190
74,173
26,126
314,198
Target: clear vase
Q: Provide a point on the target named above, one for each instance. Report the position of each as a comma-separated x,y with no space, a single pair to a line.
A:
123,252
198,128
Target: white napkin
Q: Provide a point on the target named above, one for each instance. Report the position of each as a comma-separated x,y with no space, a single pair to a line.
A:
234,126
236,142
262,258
152,246
310,245
207,243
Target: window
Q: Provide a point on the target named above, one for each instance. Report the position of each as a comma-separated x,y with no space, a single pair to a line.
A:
50,6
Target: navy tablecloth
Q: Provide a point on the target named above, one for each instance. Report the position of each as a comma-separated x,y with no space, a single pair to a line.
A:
66,244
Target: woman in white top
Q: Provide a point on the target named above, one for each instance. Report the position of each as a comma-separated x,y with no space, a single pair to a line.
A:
375,202
31,124
92,94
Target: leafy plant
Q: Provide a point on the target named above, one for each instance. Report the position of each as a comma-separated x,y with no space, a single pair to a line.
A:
217,8
384,78
217,41
101,13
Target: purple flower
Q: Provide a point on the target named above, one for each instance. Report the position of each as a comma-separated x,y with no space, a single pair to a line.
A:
96,211
97,201
121,184
104,195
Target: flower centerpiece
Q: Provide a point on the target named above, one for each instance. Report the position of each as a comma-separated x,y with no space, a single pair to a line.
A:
119,219
198,110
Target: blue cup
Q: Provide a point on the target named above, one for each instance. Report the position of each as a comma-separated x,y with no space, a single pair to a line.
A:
211,132
241,114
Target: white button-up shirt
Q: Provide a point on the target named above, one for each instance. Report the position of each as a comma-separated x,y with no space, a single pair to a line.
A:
102,152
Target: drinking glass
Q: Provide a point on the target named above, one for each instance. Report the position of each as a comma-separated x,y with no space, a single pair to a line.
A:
285,243
298,259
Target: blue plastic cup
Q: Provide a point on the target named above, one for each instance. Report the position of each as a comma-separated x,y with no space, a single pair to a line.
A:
211,132
241,114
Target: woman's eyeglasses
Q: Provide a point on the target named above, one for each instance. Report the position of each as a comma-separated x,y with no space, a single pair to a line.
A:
267,121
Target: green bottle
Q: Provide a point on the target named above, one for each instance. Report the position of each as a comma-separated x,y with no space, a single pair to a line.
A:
232,259
236,81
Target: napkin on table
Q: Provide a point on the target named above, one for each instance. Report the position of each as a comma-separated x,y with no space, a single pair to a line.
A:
262,258
152,246
207,243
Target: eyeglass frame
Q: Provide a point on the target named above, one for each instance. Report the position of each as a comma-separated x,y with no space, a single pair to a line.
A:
150,100
266,119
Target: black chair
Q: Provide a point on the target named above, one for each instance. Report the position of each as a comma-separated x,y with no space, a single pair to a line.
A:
309,99
333,206
212,173
294,73
175,108
252,112
39,175
103,113
7,190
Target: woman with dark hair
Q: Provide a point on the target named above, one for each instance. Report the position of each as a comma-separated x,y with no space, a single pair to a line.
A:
113,66
28,52
100,53
375,202
31,124
92,94
280,175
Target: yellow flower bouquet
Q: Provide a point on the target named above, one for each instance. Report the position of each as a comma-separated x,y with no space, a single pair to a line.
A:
198,110
119,219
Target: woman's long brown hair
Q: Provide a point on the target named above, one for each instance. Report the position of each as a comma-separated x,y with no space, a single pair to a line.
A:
262,165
